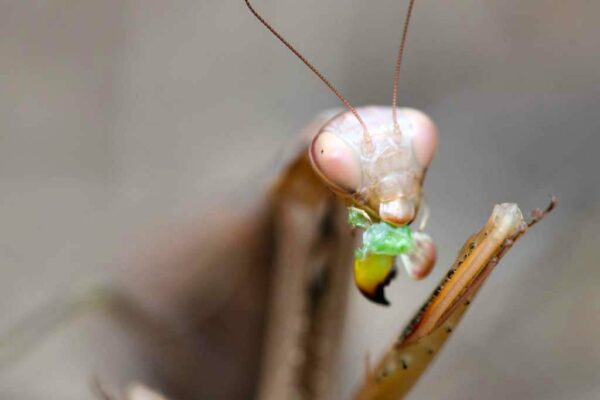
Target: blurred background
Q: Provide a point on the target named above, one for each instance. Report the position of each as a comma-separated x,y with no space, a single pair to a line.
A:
122,121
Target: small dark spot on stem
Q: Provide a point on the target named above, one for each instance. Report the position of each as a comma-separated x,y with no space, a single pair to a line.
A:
468,302
322,151
448,329
430,351
404,366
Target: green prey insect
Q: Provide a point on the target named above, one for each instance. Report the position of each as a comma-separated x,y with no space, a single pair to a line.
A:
374,259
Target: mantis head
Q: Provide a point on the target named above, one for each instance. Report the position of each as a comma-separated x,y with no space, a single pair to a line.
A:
383,174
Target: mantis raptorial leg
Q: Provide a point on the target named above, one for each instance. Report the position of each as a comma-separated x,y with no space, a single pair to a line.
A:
403,364
312,252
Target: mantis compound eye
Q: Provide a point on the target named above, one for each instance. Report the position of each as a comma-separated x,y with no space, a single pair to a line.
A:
423,135
336,162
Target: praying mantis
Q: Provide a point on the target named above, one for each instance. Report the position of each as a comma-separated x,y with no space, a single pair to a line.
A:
376,165
373,159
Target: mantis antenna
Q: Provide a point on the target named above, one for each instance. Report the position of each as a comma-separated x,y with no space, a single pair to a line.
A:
366,136
398,64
